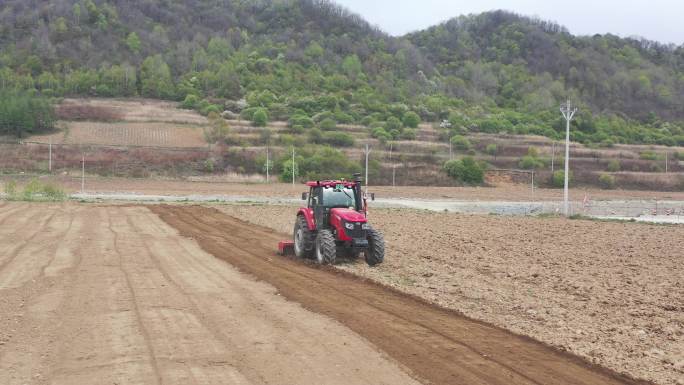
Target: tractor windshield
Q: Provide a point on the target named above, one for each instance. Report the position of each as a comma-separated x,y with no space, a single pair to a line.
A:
343,197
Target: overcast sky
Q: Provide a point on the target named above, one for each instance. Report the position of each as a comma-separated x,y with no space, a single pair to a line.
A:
660,20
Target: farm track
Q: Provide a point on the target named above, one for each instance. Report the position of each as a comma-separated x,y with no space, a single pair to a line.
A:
438,346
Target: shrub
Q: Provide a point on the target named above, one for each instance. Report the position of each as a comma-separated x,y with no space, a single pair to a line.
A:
558,179
300,120
528,162
315,136
11,189
368,120
648,155
679,155
655,167
297,129
411,119
36,190
218,129
337,138
260,117
327,125
613,166
209,165
393,124
461,142
465,170
343,118
380,134
533,152
408,134
323,116
210,109
607,181
491,149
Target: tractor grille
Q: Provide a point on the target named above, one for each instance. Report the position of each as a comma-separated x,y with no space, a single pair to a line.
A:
357,232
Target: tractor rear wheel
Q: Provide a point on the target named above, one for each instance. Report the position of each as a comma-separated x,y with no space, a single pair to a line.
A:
376,248
303,242
326,250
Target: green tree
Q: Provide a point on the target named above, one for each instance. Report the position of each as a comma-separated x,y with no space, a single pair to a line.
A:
558,179
327,125
133,42
461,143
23,113
76,10
352,66
465,170
411,119
260,117
155,77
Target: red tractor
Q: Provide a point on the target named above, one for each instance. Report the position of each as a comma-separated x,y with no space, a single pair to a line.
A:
334,223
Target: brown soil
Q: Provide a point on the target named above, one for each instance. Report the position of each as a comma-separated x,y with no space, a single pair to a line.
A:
112,295
609,292
439,346
127,134
142,110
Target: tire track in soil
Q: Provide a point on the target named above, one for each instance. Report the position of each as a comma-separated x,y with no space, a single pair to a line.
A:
439,346
134,303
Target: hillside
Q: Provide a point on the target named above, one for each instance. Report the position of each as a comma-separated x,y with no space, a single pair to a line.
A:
495,72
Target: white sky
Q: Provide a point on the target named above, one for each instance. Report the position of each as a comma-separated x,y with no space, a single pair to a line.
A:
660,20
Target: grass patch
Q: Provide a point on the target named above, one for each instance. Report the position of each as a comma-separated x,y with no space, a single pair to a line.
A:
35,191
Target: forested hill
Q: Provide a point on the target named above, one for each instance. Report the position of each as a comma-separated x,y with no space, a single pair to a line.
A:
526,63
494,72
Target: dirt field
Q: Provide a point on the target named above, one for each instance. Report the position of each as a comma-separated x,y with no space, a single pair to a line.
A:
438,346
127,134
609,292
112,295
143,110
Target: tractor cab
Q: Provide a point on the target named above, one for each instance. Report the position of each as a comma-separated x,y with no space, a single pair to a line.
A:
339,197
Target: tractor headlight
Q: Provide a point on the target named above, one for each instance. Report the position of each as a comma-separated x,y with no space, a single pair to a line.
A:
365,226
349,225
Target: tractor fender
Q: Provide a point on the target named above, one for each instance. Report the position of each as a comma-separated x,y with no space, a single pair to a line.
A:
308,214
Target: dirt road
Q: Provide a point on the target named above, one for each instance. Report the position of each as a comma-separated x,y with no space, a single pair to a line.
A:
113,295
438,346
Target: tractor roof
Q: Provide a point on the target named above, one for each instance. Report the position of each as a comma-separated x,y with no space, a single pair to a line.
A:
330,183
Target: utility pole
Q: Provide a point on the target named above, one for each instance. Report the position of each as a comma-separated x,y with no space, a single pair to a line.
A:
367,152
394,166
293,165
666,154
83,174
268,164
568,112
50,156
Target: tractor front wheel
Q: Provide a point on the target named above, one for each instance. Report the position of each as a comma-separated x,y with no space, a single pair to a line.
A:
326,250
376,248
303,244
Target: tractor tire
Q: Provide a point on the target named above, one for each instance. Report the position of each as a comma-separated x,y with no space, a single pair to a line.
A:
376,248
303,238
325,249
